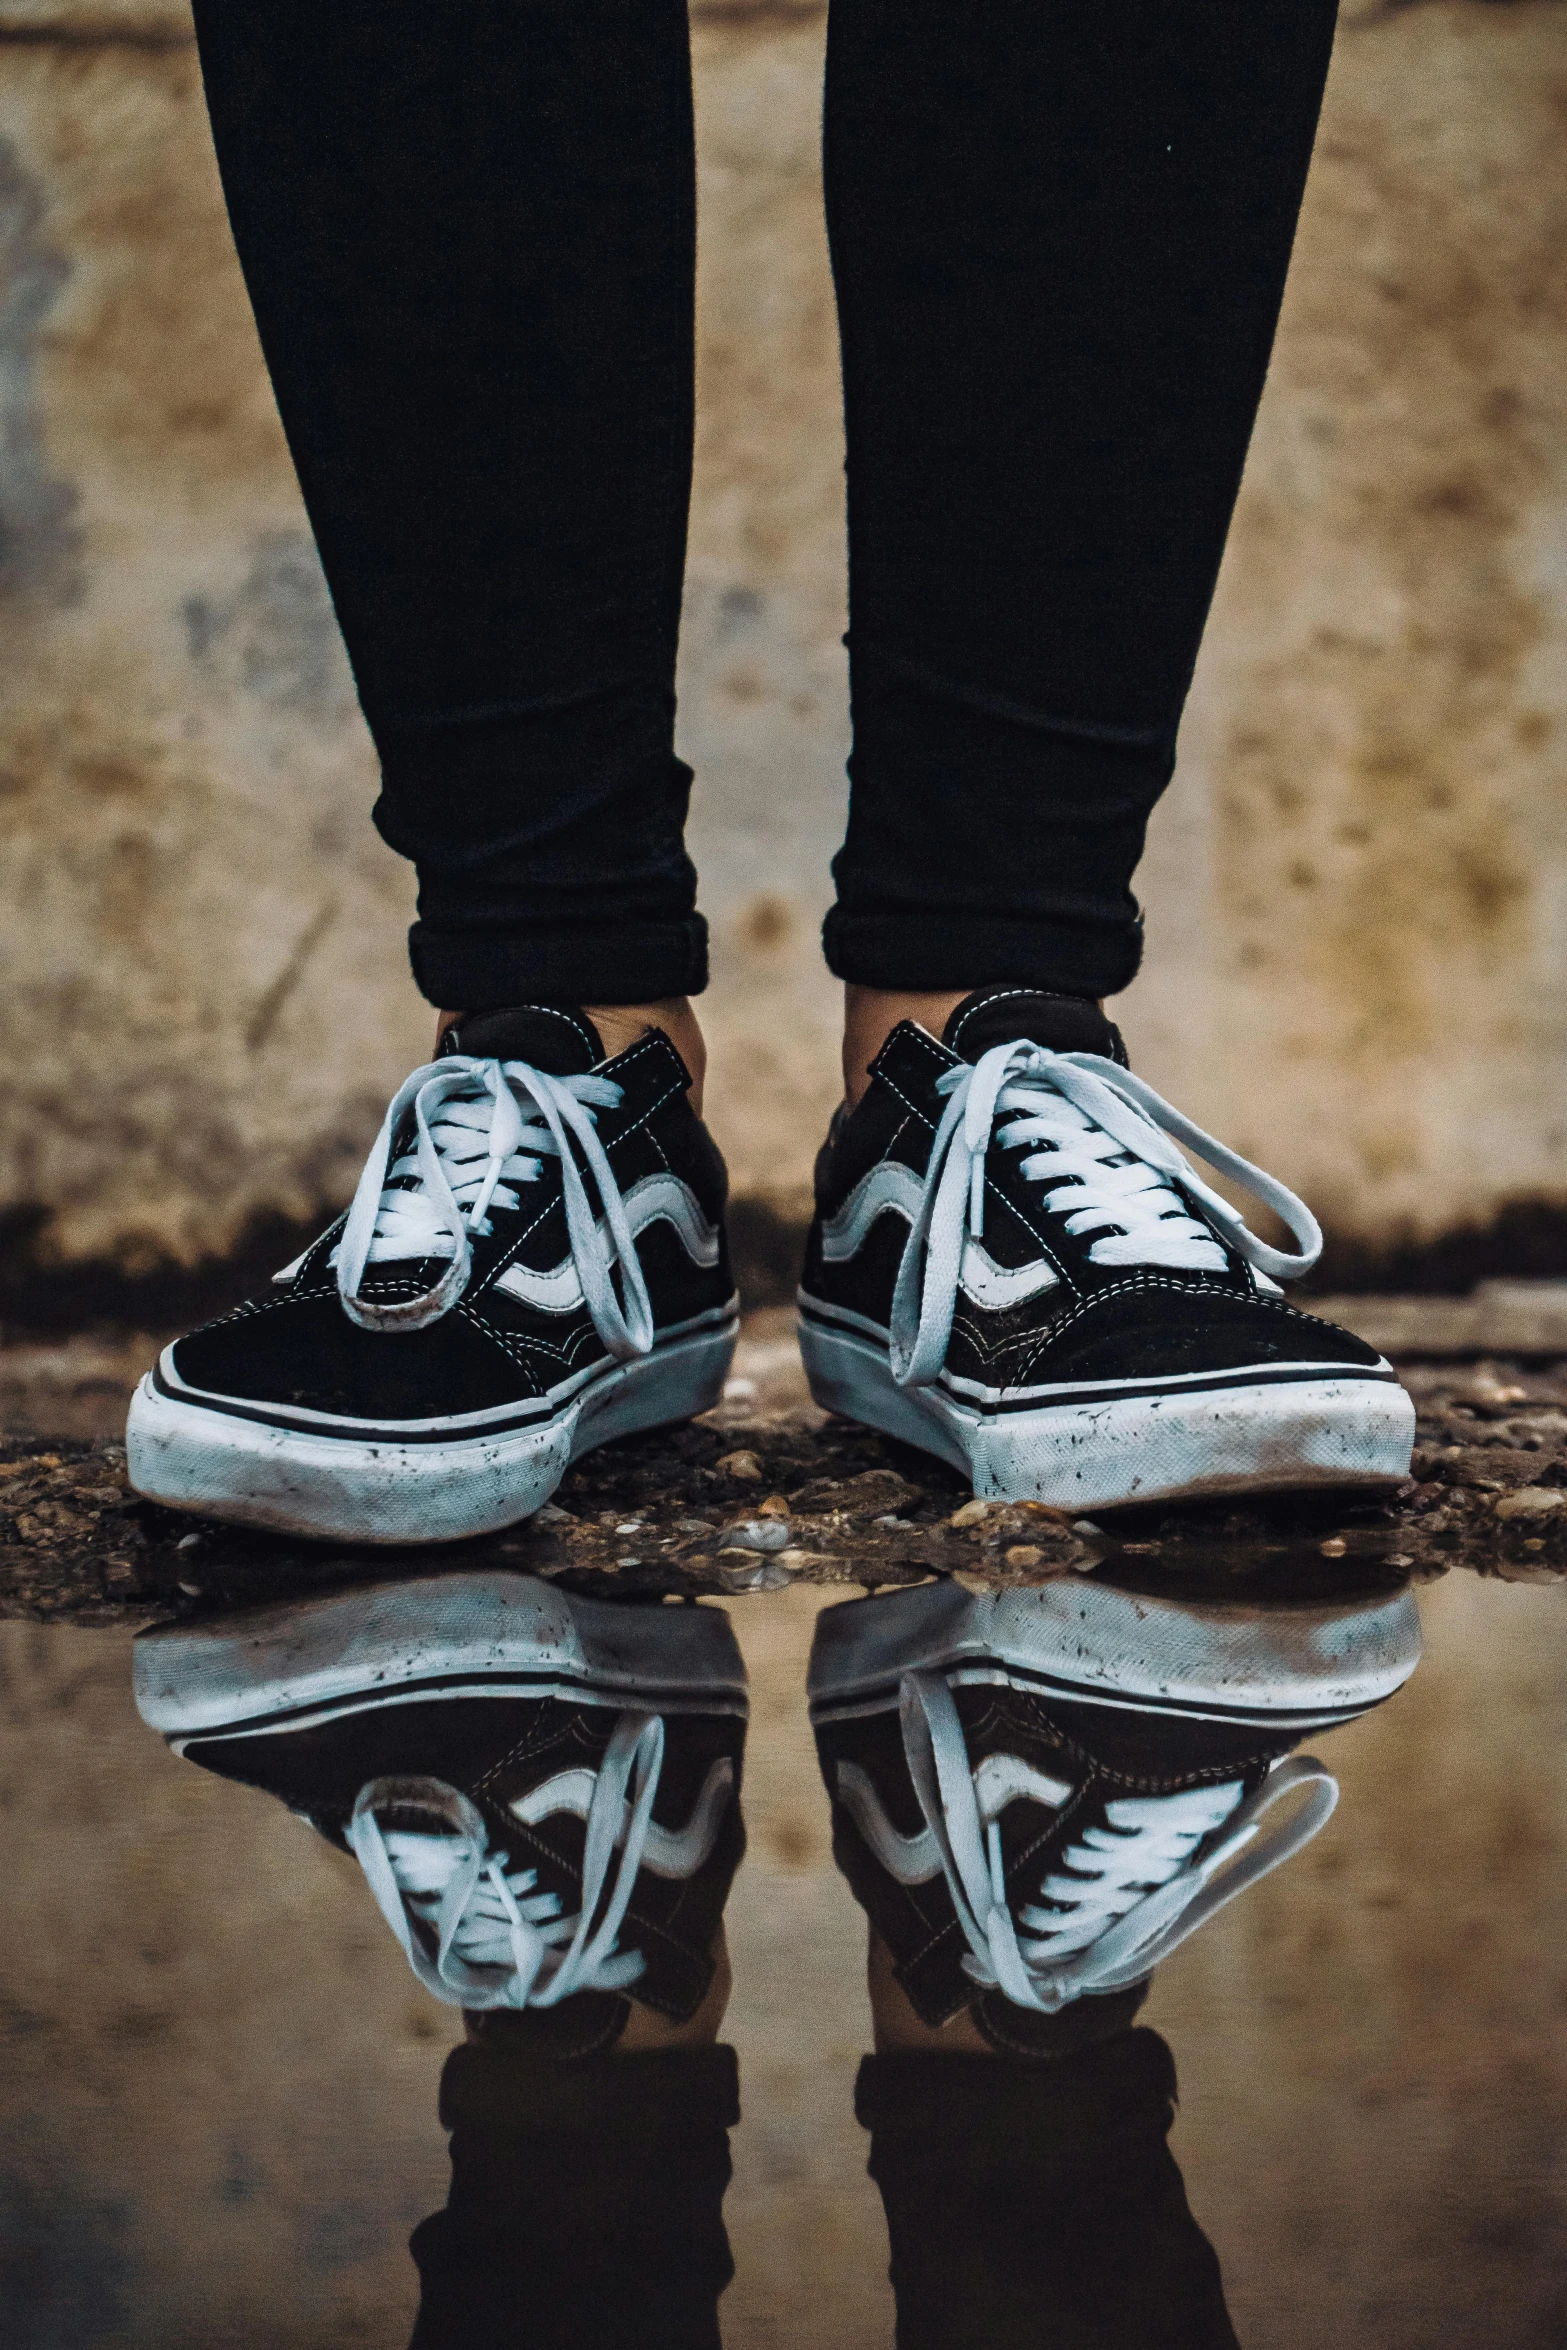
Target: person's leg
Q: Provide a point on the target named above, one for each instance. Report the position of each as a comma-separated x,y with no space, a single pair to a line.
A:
585,2210
1031,2204
469,238
553,1855
468,235
1037,1794
1059,240
1033,2199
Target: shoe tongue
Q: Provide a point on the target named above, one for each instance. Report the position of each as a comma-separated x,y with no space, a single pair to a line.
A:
1062,1023
559,1038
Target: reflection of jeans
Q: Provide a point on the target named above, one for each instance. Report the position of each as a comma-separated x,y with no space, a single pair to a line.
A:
1059,238
1028,2205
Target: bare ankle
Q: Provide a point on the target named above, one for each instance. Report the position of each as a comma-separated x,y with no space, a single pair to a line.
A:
870,1014
646,2029
897,2026
619,1025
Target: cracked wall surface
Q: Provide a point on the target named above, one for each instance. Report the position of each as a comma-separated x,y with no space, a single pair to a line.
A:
1356,891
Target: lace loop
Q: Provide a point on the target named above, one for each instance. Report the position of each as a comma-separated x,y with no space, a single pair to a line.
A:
472,1143
1073,1105
476,1933
1125,1895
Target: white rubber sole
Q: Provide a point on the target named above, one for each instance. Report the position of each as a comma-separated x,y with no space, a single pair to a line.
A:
1301,1666
344,1488
489,1634
1181,1444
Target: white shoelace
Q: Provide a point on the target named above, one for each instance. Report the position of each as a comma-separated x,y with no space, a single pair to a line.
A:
1099,1130
497,1941
1124,1896
472,1144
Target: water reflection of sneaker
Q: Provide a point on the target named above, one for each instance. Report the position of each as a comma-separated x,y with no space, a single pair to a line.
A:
1014,1266
543,1791
1038,1795
534,1262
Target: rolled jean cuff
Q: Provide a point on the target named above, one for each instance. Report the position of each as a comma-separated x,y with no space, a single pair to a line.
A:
586,2201
919,951
961,2115
481,970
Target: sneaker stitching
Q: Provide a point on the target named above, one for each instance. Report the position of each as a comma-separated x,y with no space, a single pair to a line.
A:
1002,996
509,1343
1143,1282
504,1262
1045,1250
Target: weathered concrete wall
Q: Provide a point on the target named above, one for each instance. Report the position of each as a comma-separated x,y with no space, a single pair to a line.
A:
1355,890
1358,890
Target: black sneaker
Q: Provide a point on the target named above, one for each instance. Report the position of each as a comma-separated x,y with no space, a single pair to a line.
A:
543,1791
1037,1795
534,1262
1013,1266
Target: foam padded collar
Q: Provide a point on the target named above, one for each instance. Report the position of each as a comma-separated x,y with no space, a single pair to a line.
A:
557,1037
1062,1023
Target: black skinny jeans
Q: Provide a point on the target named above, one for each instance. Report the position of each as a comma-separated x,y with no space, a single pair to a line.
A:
1029,2206
1060,230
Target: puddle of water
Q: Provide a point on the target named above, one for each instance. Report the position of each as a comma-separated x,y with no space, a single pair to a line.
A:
218,2105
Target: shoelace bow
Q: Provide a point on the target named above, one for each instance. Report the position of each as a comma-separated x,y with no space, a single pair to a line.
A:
496,1941
472,1143
1105,1134
1123,1897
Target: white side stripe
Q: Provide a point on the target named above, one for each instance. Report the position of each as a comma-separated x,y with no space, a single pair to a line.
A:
999,1286
890,1187
558,1290
668,1852
914,1860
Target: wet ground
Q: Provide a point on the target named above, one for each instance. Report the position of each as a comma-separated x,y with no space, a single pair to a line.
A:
218,2099
768,1491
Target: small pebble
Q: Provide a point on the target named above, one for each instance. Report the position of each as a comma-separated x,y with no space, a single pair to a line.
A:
774,1506
1531,1501
743,1465
973,1513
756,1534
550,1515
1334,1547
765,1575
188,1542
1024,1554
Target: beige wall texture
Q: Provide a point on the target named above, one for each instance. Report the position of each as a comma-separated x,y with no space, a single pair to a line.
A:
1357,889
